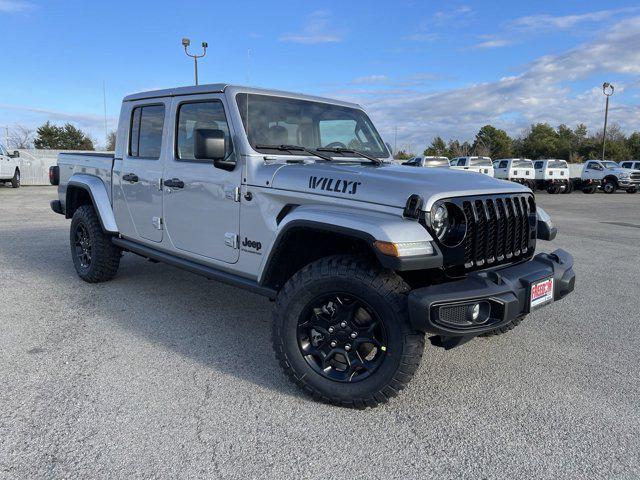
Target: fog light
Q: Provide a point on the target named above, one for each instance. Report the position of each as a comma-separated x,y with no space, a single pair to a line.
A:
474,310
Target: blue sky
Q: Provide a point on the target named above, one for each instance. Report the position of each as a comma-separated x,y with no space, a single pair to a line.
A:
424,68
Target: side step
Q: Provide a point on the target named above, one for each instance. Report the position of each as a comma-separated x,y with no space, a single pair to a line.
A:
204,270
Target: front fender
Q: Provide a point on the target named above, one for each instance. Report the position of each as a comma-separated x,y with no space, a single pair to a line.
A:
365,225
99,196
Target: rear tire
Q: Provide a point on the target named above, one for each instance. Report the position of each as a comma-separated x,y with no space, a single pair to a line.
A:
632,190
568,188
369,302
95,258
589,190
15,181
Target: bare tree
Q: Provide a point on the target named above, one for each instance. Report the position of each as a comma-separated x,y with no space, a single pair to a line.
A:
111,142
20,137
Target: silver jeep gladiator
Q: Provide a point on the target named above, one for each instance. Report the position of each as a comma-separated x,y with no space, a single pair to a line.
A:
295,197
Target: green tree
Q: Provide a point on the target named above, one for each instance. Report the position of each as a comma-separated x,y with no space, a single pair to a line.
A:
437,148
403,155
493,142
67,137
633,144
540,142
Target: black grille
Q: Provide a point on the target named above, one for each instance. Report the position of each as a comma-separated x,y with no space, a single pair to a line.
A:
454,314
500,229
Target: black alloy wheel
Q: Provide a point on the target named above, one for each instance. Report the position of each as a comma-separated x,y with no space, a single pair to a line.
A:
341,337
83,245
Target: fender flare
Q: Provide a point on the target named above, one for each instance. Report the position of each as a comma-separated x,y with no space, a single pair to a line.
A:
363,225
96,189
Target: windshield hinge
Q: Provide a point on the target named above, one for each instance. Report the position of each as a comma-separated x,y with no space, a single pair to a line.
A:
231,240
232,193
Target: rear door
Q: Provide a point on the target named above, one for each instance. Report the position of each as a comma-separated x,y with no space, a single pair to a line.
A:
202,213
141,171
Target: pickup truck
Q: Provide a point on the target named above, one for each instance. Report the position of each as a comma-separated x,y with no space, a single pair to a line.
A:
473,164
607,175
553,176
518,170
630,164
294,197
9,167
428,162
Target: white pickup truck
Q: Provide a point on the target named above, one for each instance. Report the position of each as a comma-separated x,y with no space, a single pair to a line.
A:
9,167
519,170
608,175
630,164
473,164
428,162
553,176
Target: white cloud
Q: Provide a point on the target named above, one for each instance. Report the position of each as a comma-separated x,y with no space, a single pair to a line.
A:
36,116
546,22
370,79
14,6
447,16
495,43
317,29
422,37
540,93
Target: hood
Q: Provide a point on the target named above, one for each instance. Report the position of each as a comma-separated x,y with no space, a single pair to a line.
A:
387,184
621,170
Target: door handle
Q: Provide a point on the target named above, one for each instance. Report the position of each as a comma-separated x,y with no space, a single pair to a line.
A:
130,177
174,183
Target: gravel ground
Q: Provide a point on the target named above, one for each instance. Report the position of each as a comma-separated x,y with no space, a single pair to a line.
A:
163,374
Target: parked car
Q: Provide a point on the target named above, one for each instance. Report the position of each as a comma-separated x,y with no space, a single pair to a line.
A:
473,164
428,161
553,176
605,174
518,170
631,164
9,167
266,190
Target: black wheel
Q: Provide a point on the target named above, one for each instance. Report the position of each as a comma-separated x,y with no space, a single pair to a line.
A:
15,181
609,187
532,185
568,187
632,190
505,328
95,258
341,332
589,190
553,189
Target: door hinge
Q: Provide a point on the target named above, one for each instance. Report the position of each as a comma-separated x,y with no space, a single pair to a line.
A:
157,223
231,240
232,193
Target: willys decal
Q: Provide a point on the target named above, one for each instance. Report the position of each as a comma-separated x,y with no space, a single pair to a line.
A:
334,185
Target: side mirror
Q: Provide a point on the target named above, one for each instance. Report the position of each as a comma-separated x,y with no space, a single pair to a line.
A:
209,144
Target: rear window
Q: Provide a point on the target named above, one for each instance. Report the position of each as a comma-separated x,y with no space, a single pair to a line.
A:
557,164
522,164
480,162
145,138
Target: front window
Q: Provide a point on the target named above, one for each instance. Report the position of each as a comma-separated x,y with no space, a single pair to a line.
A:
611,165
275,121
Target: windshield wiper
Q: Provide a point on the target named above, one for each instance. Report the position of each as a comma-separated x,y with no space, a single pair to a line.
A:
375,160
293,148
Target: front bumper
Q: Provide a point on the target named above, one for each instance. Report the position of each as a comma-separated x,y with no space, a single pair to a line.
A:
505,290
625,183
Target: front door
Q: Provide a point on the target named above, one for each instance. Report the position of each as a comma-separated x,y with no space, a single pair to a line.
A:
201,201
141,172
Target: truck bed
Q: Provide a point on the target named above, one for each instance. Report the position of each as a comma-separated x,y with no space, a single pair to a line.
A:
96,164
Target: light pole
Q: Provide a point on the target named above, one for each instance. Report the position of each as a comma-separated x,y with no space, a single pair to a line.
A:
607,89
185,43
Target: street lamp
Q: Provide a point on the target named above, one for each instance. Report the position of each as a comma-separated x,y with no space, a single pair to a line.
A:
607,89
185,43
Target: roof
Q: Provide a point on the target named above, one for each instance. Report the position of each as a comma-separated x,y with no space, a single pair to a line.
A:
222,87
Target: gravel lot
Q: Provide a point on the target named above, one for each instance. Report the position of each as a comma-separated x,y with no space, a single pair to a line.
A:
161,373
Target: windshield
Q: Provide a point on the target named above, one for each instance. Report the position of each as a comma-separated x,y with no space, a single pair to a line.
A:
480,162
611,165
557,164
522,164
277,121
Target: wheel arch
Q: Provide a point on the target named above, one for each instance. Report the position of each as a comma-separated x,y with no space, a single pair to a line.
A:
89,190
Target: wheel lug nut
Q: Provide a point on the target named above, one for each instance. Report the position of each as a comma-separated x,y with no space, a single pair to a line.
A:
347,347
330,329
343,324
354,334
333,344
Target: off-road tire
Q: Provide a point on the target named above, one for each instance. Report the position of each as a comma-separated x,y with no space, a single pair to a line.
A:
15,181
385,292
105,256
505,328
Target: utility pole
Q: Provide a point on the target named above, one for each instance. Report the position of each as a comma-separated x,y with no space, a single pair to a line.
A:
607,89
104,101
395,140
185,43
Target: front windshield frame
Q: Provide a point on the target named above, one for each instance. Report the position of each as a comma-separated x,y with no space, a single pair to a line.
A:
362,124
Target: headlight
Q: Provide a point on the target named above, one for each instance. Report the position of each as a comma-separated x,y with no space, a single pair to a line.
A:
623,175
439,220
448,223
